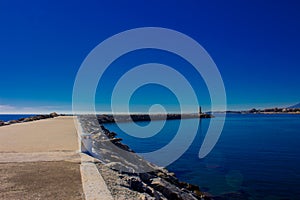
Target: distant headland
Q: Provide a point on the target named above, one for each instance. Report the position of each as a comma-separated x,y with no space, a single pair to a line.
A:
295,109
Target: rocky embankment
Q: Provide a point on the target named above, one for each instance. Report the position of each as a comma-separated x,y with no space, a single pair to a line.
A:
127,175
29,119
108,118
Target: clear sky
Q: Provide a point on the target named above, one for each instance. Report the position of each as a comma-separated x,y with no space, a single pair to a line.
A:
255,45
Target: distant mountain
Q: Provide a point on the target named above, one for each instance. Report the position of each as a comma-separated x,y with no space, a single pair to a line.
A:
295,106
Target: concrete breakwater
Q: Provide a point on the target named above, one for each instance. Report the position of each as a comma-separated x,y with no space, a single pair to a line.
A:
39,159
127,175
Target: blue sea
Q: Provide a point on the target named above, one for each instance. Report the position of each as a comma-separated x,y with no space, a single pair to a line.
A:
256,157
7,117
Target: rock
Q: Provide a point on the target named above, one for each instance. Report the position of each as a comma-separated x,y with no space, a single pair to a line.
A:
156,194
192,187
115,140
146,177
167,189
43,116
111,135
170,177
12,122
37,117
136,184
54,114
118,143
142,197
145,197
119,167
27,119
1,123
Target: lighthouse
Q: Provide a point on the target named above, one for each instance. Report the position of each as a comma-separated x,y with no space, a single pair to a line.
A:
200,110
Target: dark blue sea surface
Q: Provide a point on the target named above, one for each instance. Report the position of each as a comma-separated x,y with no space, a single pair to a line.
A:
7,117
256,157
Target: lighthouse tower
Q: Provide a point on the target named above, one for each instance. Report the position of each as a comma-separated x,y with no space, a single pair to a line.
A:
200,110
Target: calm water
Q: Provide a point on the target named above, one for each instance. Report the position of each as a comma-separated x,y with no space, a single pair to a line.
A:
7,117
256,157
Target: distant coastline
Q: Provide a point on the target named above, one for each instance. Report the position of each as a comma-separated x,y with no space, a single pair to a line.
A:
264,111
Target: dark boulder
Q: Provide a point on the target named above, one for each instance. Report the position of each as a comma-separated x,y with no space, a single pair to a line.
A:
12,122
121,145
43,116
167,189
146,177
38,117
170,177
27,119
111,135
136,184
54,114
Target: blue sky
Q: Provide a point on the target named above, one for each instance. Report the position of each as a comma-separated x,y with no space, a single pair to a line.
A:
255,45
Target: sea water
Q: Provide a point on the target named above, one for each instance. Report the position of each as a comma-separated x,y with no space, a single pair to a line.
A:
256,157
7,117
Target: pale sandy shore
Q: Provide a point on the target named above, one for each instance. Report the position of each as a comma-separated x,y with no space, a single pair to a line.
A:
42,160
